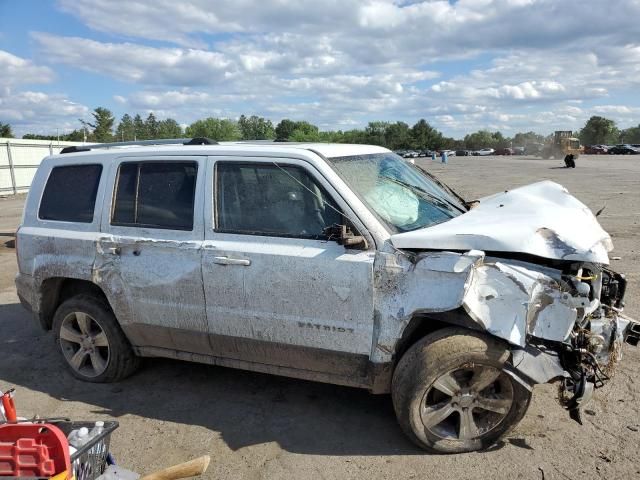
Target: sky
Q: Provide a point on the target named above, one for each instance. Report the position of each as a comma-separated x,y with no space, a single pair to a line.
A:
465,65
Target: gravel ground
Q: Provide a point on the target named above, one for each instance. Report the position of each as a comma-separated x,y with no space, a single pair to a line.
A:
260,426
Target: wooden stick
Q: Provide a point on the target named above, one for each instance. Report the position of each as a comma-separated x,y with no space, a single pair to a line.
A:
182,470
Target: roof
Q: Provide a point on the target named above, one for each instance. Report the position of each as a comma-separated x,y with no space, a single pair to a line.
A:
177,147
325,149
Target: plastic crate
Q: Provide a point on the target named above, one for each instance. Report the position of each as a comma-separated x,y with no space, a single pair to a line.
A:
90,461
32,450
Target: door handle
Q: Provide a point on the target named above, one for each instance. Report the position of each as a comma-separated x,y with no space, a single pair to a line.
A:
231,261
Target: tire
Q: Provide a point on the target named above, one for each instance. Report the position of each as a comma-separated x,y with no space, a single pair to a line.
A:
456,353
569,161
91,341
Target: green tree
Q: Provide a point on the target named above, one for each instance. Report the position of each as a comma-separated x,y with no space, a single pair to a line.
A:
256,128
450,143
35,136
500,141
215,129
169,128
425,136
125,131
599,130
630,135
397,135
5,130
74,136
485,139
102,124
375,132
521,139
151,126
354,136
305,135
139,128
284,129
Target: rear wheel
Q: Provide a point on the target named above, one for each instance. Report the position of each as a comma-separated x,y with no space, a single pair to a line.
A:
91,341
451,394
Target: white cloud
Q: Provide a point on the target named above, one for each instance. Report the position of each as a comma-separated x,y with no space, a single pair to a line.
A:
19,71
136,63
38,112
28,110
621,110
342,63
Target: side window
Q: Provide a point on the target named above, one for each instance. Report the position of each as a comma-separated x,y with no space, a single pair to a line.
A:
155,195
261,199
70,193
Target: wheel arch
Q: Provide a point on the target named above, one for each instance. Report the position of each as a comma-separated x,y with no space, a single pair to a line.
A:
419,326
423,324
55,290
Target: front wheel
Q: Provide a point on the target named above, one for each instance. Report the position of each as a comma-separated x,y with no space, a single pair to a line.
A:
451,394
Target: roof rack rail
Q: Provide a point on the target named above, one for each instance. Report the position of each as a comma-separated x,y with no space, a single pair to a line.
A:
139,143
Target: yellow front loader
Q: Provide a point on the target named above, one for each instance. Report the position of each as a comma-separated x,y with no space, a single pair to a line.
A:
563,145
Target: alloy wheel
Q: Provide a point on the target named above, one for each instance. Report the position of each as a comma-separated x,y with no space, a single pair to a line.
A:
466,403
84,344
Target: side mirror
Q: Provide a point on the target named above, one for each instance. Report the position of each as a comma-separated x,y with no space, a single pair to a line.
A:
344,236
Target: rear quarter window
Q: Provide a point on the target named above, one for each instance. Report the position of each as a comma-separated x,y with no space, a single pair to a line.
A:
70,193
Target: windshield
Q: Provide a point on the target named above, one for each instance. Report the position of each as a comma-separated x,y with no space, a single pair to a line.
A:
404,197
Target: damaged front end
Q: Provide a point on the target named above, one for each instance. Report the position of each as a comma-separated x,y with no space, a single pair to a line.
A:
545,288
594,346
567,321
564,321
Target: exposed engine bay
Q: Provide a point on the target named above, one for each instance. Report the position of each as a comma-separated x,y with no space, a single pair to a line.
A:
595,345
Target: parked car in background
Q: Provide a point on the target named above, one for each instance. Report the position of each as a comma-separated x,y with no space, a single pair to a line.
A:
484,151
463,153
426,153
505,151
624,149
519,150
596,149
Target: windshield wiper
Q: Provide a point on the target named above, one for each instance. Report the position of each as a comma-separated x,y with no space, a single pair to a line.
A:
446,187
436,201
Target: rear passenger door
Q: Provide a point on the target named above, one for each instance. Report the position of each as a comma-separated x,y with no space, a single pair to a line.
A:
150,254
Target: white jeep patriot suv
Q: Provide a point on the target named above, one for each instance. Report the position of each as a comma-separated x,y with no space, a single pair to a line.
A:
338,263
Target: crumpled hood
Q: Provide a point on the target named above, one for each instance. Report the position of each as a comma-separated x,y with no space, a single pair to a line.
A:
541,219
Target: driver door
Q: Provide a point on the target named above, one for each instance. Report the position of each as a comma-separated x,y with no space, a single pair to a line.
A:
277,290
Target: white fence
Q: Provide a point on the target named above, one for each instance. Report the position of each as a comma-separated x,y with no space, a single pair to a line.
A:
19,160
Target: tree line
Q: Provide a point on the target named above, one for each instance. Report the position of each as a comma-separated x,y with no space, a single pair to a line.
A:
393,135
